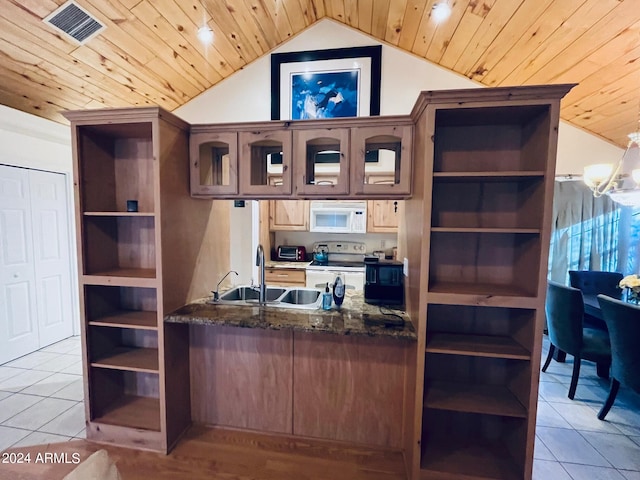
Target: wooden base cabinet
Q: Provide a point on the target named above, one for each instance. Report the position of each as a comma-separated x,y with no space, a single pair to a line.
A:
136,369
486,164
285,277
343,388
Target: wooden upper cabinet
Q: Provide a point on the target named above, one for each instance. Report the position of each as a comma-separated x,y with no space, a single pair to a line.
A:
381,160
332,159
214,163
291,215
382,215
265,161
322,162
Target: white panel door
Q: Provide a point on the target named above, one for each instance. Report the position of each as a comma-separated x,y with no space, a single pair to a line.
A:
51,251
18,322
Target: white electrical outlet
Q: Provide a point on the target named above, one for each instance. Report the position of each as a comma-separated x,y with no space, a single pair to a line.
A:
405,267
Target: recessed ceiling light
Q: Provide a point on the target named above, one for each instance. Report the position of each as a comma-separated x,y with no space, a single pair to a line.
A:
440,12
205,35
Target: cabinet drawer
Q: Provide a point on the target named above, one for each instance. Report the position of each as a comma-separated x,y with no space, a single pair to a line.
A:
283,276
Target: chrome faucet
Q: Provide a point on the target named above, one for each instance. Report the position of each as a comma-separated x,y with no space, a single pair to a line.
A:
262,285
216,295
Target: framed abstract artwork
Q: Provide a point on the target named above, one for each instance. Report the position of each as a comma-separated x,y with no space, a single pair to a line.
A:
316,84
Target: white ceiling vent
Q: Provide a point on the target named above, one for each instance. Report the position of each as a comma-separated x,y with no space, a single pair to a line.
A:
74,21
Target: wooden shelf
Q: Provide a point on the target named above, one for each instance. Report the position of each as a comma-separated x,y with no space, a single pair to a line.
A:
468,288
488,176
484,263
130,359
137,319
476,346
469,459
132,411
124,277
473,398
496,204
119,214
484,230
126,272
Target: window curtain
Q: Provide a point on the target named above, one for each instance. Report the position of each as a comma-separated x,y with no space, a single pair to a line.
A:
629,241
585,232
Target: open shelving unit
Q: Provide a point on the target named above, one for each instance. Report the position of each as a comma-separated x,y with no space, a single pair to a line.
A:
126,399
487,184
463,445
134,395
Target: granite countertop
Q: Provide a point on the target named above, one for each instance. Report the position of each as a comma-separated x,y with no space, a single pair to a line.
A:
278,264
354,318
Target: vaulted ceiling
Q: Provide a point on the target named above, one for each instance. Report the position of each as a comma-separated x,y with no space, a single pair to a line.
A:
149,53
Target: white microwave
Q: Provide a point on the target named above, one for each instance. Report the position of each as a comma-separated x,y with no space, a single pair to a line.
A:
338,217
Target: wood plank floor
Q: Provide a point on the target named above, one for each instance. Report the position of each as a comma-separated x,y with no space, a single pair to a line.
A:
215,453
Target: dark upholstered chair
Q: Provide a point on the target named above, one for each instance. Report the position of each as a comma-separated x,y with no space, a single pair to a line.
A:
591,282
565,311
623,321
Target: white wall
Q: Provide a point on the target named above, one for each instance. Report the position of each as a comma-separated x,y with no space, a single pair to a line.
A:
33,142
577,149
372,241
242,253
246,95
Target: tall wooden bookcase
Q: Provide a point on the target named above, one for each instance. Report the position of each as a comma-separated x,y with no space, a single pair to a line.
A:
133,267
478,240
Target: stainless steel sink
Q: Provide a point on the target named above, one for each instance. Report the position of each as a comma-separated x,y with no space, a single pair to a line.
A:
290,297
248,293
300,296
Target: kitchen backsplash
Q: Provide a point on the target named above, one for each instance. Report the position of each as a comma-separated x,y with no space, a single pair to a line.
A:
373,241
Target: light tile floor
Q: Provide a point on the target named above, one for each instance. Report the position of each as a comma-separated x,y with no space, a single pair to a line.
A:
42,397
571,443
41,401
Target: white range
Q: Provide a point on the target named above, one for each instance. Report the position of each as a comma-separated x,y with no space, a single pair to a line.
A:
343,257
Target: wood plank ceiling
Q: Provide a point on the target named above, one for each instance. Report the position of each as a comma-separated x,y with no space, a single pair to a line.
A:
149,53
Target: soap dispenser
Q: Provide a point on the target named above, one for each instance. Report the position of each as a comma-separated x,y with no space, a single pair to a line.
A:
338,289
326,298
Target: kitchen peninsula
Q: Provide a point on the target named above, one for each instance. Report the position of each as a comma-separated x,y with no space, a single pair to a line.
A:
355,317
309,373
475,169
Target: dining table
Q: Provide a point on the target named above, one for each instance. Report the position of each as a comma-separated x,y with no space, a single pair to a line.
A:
592,309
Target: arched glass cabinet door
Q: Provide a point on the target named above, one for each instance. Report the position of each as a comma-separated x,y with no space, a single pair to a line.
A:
265,163
381,160
214,163
322,162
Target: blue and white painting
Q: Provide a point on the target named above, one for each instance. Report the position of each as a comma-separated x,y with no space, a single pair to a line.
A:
324,94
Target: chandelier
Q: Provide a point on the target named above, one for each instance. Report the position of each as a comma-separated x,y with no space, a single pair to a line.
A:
621,182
